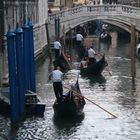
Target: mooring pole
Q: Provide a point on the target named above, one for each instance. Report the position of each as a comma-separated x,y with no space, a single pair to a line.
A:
32,58
56,29
133,53
64,38
26,53
47,32
20,71
48,40
12,76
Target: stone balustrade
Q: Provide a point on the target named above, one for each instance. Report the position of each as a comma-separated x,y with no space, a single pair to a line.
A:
81,14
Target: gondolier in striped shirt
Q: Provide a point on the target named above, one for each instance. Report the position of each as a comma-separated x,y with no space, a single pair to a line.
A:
57,77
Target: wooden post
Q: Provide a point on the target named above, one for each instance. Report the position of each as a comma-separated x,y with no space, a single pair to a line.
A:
133,52
70,33
64,38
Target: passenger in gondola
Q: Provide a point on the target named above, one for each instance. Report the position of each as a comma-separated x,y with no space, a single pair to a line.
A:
84,63
91,56
57,77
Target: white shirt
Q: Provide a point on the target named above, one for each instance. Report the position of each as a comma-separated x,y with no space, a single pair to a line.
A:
57,45
56,75
138,47
79,37
91,53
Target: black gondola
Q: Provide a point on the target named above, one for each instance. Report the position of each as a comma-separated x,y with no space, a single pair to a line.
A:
105,37
63,62
72,104
95,68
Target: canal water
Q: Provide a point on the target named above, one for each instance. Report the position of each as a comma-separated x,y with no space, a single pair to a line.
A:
114,92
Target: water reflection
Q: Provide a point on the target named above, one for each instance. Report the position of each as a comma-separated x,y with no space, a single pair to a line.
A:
68,123
100,79
115,93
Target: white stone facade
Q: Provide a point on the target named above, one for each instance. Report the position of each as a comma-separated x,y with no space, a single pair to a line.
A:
18,11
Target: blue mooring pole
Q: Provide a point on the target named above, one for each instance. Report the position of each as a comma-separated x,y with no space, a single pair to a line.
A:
32,58
12,76
26,53
20,71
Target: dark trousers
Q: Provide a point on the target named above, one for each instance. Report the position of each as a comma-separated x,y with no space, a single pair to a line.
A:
79,44
58,90
57,54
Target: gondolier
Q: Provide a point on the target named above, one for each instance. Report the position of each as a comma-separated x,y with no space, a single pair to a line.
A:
79,40
57,48
57,77
91,55
72,104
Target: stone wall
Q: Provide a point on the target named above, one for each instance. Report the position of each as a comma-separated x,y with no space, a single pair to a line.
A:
18,11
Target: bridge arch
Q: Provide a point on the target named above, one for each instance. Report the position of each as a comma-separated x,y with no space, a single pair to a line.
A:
119,15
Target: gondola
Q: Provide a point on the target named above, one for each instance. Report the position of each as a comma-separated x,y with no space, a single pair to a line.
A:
63,62
95,68
105,37
72,104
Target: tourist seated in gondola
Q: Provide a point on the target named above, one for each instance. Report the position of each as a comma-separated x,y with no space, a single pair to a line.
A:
84,63
57,77
91,56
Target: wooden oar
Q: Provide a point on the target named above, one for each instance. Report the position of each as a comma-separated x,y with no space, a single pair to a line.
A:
66,59
91,102
109,71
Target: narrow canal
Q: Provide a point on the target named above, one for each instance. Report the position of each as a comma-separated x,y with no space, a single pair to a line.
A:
117,94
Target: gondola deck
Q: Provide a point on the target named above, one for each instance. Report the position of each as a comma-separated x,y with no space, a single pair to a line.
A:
72,104
95,68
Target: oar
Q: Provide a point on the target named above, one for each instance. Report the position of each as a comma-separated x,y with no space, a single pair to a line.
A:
91,102
109,71
66,59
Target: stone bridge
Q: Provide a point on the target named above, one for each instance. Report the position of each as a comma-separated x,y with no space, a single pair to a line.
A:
122,16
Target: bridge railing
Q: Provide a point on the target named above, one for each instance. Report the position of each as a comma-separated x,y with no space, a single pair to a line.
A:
70,18
98,10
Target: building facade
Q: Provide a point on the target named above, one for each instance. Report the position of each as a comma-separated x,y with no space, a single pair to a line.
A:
18,11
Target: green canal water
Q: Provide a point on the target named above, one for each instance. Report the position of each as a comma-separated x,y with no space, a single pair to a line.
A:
117,94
